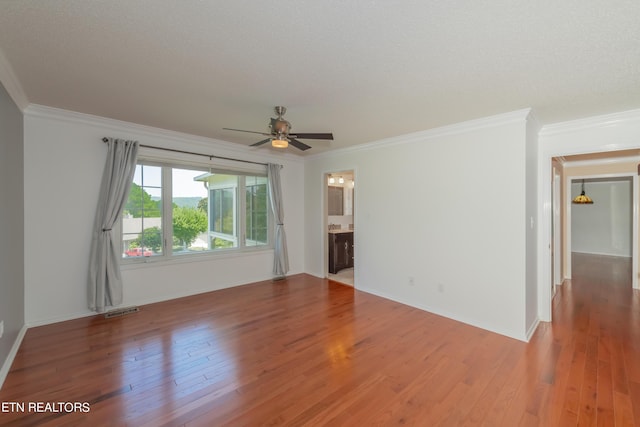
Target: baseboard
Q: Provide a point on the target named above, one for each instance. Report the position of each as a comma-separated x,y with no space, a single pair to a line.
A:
143,301
58,319
441,313
532,329
601,254
12,355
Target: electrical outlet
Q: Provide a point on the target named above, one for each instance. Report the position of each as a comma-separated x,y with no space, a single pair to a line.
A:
1,328
412,281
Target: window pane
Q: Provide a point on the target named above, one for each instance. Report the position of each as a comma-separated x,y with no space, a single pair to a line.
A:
189,209
256,211
222,211
227,211
142,214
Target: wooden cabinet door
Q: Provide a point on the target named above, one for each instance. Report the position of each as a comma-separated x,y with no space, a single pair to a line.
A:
350,249
340,251
333,255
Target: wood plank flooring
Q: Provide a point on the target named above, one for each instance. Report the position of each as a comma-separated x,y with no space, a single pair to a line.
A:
306,351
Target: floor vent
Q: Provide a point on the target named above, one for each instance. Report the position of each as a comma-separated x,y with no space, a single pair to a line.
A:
120,312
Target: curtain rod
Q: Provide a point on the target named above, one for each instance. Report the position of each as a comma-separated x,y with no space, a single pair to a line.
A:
210,156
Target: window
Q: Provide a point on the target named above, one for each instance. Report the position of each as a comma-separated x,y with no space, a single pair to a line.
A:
256,211
188,211
142,214
177,211
222,210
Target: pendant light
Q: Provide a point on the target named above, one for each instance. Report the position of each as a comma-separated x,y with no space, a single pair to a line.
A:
582,199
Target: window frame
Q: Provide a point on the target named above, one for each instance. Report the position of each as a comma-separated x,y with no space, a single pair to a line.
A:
239,207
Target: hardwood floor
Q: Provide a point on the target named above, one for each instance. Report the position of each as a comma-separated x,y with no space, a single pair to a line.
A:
307,351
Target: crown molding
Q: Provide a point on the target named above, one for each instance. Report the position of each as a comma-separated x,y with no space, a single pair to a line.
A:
449,130
532,120
120,128
11,83
589,123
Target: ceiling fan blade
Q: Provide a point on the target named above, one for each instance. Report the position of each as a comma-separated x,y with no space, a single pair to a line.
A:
313,135
248,131
260,142
299,145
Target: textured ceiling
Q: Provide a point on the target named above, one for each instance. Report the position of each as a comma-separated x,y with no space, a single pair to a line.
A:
364,70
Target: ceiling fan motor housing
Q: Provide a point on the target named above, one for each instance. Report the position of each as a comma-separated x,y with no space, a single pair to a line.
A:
280,127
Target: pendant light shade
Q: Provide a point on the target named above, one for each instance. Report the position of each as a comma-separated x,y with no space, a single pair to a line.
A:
582,199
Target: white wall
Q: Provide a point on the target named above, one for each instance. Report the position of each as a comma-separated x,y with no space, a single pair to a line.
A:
446,207
605,227
11,230
64,159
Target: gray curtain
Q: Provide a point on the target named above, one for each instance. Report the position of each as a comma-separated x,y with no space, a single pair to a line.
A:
280,257
105,282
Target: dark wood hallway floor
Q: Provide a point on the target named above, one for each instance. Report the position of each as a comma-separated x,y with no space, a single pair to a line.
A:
596,341
306,351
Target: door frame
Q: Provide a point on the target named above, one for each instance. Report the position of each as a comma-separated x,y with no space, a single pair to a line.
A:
613,132
557,255
325,219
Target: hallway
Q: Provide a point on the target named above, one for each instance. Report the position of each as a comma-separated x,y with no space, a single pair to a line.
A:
595,344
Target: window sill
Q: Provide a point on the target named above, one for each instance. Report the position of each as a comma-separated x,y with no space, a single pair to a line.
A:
150,262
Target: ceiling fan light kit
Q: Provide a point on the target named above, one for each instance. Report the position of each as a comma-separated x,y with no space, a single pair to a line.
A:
279,143
280,133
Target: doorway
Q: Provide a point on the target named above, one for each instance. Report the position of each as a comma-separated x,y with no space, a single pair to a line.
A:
564,145
340,227
600,138
606,227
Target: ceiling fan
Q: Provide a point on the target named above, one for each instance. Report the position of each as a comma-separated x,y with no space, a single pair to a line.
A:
281,135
